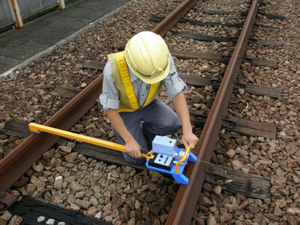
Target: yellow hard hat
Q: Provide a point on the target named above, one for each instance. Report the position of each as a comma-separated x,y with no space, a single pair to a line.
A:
147,55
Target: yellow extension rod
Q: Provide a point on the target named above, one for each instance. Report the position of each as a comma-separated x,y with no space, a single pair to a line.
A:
37,128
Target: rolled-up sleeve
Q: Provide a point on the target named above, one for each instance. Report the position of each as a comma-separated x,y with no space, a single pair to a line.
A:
109,99
173,83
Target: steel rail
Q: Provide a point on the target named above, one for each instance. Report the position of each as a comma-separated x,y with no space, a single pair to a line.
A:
186,199
15,164
174,17
18,161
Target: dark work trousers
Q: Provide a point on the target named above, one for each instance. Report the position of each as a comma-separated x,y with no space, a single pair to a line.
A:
158,119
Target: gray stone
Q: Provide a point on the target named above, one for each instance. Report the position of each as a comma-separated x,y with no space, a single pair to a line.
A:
75,186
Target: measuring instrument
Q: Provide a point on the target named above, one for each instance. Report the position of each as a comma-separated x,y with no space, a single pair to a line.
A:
164,157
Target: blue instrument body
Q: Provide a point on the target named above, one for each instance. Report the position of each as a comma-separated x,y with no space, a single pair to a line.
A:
166,157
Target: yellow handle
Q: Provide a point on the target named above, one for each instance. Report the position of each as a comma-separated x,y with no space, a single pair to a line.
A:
187,151
37,128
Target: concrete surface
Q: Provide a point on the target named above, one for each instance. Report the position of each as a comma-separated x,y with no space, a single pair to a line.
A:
41,36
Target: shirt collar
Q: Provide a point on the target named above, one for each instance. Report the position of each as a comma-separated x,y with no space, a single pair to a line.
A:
133,77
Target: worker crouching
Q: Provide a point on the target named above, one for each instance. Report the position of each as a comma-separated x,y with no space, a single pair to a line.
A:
132,81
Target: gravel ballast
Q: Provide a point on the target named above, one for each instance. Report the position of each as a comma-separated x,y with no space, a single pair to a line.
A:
124,195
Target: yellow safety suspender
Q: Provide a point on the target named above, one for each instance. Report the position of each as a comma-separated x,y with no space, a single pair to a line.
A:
128,99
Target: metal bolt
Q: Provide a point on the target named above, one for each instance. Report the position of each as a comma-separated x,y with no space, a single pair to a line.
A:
212,168
2,194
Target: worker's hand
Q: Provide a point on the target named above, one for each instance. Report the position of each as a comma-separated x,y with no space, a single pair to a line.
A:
133,148
189,139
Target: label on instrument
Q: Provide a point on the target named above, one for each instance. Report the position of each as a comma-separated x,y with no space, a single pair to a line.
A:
161,161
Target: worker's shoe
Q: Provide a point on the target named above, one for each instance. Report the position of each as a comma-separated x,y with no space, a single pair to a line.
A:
149,139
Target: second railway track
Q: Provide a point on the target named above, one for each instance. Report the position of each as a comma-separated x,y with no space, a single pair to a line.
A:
258,155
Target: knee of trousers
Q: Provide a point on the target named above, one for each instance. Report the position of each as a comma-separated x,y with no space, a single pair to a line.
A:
174,125
177,124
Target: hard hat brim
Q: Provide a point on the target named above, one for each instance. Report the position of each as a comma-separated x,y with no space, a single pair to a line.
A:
156,79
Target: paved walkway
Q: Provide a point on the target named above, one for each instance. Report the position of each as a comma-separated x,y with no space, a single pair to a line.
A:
19,48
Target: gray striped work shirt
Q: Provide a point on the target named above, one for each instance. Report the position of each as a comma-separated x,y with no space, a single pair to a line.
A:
109,98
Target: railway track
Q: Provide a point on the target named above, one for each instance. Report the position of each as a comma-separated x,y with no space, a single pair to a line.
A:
17,162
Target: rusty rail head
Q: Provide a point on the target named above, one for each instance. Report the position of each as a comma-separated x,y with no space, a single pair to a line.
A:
15,164
187,196
18,161
174,17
